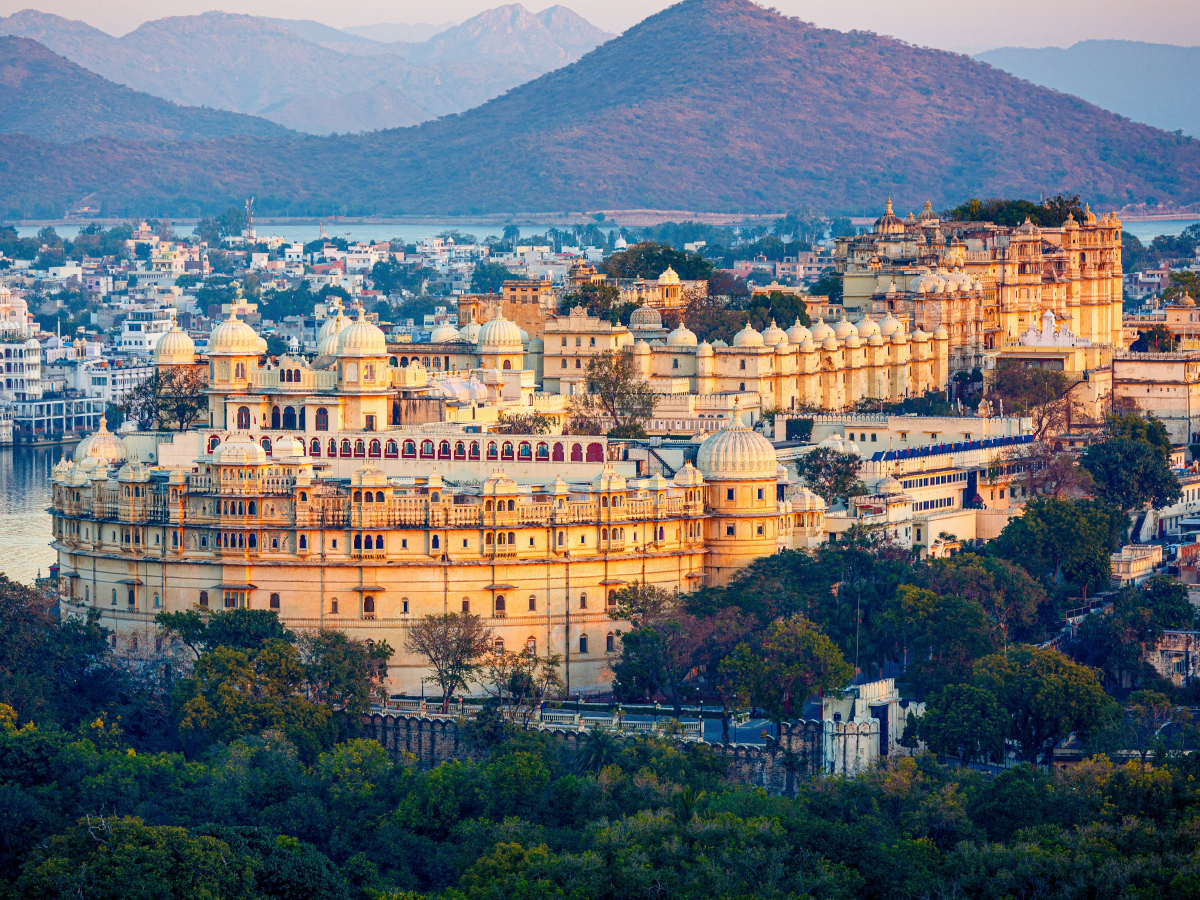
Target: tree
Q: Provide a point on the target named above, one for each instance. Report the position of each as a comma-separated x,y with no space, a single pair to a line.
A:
965,721
942,636
658,652
344,673
489,278
235,693
1041,394
1046,697
1045,471
1068,538
793,661
1006,592
648,260
1148,429
1180,285
604,301
828,285
520,682
1150,725
454,645
239,629
1158,339
616,390
173,397
831,473
522,423
1131,473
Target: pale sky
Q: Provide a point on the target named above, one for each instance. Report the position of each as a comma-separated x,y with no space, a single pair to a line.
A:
961,25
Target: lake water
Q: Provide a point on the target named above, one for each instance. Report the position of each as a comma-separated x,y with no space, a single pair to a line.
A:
24,496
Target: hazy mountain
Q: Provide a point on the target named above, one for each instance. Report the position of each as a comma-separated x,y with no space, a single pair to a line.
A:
291,71
780,113
393,33
47,96
1158,84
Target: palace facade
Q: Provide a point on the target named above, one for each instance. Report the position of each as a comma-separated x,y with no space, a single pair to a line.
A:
987,284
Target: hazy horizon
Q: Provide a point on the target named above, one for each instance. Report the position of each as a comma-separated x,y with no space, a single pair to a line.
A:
959,27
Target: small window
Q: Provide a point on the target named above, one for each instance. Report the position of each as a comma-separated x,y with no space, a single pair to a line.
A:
583,643
532,603
729,531
583,601
729,494
609,642
333,606
274,601
760,493
404,605
466,606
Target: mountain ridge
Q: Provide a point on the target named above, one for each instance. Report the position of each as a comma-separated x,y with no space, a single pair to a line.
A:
781,114
30,73
1156,84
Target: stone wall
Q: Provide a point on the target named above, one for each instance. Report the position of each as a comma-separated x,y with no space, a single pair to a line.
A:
798,754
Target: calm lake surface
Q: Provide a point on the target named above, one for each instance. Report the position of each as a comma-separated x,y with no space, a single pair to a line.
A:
24,523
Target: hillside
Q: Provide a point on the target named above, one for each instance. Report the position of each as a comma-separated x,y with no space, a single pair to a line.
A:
1157,84
44,95
314,78
780,114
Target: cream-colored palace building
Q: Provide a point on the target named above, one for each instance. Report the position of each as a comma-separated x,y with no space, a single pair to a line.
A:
302,495
987,284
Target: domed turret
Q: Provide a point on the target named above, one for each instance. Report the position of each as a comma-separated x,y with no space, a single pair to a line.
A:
867,327
470,332
821,331
736,452
888,486
941,334
773,335
928,215
805,500
444,333
681,337
362,339
748,337
668,277
844,329
239,450
889,326
500,333
889,222
233,337
175,348
645,318
798,334
102,446
288,449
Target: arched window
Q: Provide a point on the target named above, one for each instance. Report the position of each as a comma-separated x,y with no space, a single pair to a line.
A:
506,451
360,448
474,452
369,606
466,605
512,538
595,453
315,447
266,445
410,449
444,450
583,643
576,453
492,450
274,416
251,508
351,373
374,450
357,498
532,603
460,450
499,603
426,449
437,542
391,450
742,364
303,542
558,453
610,641
333,447
274,601
379,542
345,447
358,542
289,418
604,503
498,646
368,542
203,598
243,417
213,443
583,601
333,606
322,421
612,598
531,645
487,539
239,371
524,451
507,365
512,504
500,538
543,451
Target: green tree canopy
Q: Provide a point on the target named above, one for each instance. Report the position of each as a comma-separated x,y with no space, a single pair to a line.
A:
965,721
648,260
1131,473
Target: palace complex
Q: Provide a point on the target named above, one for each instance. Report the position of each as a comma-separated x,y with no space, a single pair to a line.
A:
987,284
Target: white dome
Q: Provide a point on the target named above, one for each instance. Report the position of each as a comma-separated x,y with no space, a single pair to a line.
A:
334,324
239,450
748,337
645,318
681,337
328,345
470,331
444,333
288,448
805,500
840,444
736,452
233,336
889,485
174,348
830,343
889,326
362,339
844,329
867,327
820,331
941,334
705,349
798,334
477,390
500,333
773,335
102,446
